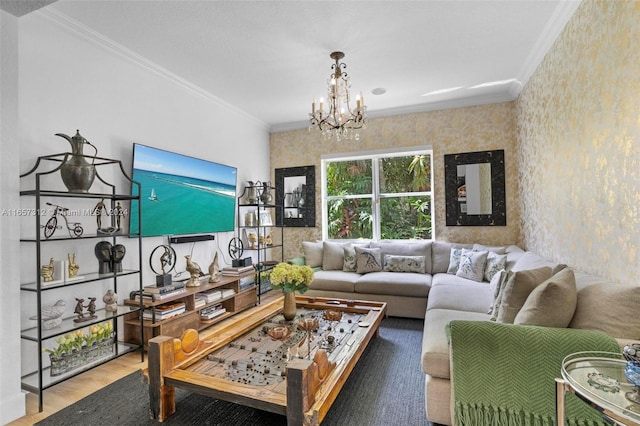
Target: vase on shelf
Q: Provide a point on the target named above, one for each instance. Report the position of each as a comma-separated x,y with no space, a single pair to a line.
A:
77,173
289,309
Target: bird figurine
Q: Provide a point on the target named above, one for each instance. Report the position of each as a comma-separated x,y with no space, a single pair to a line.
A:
110,300
214,269
194,271
51,315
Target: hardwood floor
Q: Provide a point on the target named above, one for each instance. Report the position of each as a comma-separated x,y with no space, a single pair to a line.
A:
66,393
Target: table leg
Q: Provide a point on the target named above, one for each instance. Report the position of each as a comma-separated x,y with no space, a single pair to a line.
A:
560,393
162,399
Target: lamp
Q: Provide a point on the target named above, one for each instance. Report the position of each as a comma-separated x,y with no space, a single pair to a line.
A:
338,119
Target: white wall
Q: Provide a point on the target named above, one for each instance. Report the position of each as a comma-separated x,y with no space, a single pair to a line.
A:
70,80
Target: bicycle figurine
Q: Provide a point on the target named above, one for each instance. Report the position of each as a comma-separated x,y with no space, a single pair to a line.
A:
75,230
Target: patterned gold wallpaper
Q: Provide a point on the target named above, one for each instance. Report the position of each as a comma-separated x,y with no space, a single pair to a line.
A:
479,128
579,144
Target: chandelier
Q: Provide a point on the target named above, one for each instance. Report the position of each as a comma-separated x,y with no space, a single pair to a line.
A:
337,118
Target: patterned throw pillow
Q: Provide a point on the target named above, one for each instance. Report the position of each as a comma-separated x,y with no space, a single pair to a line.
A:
497,284
454,260
368,260
404,263
349,259
495,262
472,264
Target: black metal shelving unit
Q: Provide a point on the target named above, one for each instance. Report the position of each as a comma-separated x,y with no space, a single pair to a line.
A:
39,379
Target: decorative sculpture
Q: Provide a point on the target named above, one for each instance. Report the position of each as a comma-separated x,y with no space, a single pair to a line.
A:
73,266
79,310
103,253
194,271
167,264
118,213
117,254
51,315
110,300
47,271
214,270
98,210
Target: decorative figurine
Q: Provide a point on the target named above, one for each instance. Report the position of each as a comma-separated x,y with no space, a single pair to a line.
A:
252,240
167,264
195,272
47,271
214,270
117,254
79,310
118,213
98,210
103,253
51,315
91,307
110,300
73,266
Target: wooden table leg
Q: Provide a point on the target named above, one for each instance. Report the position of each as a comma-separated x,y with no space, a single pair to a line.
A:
162,399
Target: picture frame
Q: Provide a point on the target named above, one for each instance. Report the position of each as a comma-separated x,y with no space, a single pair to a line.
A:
264,218
475,189
296,196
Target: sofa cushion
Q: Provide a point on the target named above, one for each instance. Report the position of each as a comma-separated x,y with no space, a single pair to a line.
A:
368,260
456,293
392,263
435,344
334,281
493,249
349,254
454,260
408,284
552,303
517,289
513,254
332,256
440,253
495,263
312,253
607,306
530,260
472,264
404,248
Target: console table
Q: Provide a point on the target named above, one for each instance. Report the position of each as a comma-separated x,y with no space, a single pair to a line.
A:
598,379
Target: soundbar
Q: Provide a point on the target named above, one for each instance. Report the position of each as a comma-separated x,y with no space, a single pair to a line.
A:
191,238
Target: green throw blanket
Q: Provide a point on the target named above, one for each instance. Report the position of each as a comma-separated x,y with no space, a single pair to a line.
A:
503,374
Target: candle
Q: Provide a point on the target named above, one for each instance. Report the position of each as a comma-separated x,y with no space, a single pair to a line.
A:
313,106
321,104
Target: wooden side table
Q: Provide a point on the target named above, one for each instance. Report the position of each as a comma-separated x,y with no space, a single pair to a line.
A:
598,378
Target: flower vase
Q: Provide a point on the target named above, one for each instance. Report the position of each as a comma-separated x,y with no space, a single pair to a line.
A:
289,310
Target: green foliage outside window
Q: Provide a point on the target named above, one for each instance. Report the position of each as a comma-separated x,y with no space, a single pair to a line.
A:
404,194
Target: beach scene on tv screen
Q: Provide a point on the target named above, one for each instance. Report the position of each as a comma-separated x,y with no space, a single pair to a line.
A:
182,194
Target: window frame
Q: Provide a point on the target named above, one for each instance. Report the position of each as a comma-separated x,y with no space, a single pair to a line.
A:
375,196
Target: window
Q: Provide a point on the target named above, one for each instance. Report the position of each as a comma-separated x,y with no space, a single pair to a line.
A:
386,195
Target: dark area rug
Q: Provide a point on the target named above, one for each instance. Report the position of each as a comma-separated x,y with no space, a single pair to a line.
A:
385,387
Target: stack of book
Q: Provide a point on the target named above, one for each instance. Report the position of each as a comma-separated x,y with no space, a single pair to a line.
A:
211,312
234,271
155,293
228,292
210,296
165,311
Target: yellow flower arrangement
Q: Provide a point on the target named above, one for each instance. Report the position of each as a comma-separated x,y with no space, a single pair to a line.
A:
291,278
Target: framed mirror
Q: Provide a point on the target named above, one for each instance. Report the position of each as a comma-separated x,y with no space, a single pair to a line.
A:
475,189
296,193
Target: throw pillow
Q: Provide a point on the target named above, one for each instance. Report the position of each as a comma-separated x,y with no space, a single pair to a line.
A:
552,303
497,284
312,253
472,264
517,289
454,260
495,262
332,256
404,263
368,260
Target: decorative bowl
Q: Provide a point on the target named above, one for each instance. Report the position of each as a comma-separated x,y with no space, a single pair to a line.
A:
632,371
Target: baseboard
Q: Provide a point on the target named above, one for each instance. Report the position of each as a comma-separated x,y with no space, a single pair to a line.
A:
12,408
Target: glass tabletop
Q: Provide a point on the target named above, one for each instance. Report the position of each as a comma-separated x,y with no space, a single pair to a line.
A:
599,377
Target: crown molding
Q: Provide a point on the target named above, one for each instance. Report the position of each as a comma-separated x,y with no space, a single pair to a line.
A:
563,13
113,47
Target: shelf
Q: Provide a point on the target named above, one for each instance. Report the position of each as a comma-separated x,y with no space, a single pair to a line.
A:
30,381
67,194
69,325
66,236
264,247
90,277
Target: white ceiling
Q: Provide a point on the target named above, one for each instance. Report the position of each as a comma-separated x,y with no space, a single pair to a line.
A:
271,58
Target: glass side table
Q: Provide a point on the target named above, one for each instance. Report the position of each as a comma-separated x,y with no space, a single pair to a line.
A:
598,378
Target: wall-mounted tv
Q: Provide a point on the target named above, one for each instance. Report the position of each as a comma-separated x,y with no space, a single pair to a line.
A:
181,195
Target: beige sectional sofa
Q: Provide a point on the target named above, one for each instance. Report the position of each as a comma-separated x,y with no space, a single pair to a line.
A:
440,294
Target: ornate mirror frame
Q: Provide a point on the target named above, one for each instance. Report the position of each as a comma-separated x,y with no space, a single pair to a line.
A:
296,193
486,213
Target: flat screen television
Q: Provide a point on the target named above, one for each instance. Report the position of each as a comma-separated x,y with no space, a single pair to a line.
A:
181,195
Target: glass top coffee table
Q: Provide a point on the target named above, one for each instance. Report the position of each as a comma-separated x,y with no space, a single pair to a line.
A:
598,378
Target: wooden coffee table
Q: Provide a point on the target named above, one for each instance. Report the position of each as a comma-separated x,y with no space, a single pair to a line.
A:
294,368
